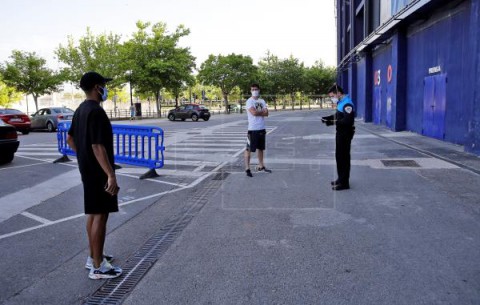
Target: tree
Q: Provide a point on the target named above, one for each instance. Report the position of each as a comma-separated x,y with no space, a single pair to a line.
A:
27,73
269,77
8,95
292,77
227,72
319,78
92,53
156,61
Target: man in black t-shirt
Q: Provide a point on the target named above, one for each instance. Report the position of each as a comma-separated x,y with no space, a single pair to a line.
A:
91,137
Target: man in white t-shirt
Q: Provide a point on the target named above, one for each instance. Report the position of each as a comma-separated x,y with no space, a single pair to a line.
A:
257,111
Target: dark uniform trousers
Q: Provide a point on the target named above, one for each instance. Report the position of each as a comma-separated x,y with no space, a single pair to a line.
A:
343,141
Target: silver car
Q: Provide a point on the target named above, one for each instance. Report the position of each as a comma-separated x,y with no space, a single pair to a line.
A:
48,118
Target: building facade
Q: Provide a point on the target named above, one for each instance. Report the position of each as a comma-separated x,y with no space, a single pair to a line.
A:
413,65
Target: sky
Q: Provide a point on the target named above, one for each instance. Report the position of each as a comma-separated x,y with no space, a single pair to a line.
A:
302,28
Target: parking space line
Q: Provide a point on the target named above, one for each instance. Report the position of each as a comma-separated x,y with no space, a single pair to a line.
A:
191,185
36,159
35,217
154,180
24,153
21,166
15,203
199,168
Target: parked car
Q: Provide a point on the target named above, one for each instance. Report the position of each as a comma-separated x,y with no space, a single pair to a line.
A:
17,119
8,142
189,111
48,118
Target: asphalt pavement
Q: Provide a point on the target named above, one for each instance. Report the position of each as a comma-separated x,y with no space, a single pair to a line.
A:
205,233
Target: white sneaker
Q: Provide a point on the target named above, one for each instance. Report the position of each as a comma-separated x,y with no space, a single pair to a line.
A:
105,271
89,263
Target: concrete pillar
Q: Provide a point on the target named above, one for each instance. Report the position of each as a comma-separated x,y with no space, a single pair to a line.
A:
352,82
368,117
398,83
473,136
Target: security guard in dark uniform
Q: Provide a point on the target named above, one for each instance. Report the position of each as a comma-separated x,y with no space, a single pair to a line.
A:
343,119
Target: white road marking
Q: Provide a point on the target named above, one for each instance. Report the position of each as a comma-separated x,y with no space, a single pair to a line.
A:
191,185
194,145
35,217
15,203
154,180
168,172
38,149
21,166
178,139
190,163
202,149
198,169
40,153
39,144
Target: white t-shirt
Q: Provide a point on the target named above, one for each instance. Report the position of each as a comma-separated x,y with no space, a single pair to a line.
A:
255,122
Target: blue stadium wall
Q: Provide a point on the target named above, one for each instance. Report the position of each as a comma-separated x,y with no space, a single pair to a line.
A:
424,78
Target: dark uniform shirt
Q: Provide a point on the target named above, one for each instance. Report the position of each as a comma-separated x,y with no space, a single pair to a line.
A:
344,117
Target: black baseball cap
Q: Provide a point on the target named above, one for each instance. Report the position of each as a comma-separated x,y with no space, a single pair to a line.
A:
90,79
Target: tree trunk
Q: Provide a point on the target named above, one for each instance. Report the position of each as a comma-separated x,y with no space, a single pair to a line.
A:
284,104
293,101
35,99
176,100
301,102
159,105
225,98
275,103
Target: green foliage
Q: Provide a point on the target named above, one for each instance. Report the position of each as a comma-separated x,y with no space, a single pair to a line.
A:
27,72
8,95
228,72
291,76
155,60
92,53
319,78
270,76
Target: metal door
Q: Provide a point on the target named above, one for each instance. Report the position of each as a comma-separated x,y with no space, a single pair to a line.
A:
434,104
377,110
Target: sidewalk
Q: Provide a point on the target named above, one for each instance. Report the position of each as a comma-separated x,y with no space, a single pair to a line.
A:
404,234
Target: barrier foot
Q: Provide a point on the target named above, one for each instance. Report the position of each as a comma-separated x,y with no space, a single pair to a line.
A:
150,174
117,166
62,159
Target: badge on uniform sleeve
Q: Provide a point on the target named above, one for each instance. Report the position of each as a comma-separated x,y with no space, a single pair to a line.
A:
348,109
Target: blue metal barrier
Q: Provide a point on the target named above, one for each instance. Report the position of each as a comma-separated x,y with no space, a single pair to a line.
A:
133,145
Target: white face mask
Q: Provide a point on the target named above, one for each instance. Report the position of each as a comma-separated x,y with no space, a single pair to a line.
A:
256,93
334,99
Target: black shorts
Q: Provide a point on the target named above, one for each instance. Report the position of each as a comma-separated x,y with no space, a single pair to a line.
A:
96,200
256,140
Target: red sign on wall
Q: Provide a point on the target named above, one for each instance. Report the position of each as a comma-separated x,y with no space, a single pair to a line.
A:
389,73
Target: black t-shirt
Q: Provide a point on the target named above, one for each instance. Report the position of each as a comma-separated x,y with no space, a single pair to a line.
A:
90,125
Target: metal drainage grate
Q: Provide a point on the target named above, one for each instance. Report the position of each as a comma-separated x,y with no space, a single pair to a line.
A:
115,290
400,163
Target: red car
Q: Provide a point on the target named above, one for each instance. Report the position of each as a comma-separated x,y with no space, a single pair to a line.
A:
16,118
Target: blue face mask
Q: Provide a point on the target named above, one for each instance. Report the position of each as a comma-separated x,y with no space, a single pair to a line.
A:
104,95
